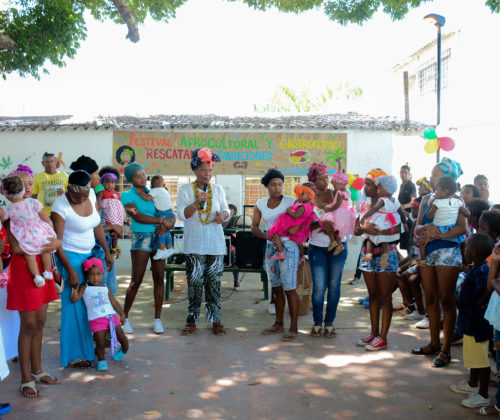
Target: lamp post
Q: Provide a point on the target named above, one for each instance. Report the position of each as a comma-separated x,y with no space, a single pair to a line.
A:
439,22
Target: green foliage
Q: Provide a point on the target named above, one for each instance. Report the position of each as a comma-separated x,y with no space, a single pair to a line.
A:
287,99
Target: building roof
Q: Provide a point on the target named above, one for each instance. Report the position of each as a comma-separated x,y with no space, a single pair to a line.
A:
350,120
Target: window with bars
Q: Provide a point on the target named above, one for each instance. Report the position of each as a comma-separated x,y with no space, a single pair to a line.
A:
427,75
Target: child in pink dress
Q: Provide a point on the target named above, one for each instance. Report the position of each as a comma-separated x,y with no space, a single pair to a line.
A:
295,223
340,213
30,225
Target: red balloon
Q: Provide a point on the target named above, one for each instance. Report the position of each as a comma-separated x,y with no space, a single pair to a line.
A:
358,184
446,143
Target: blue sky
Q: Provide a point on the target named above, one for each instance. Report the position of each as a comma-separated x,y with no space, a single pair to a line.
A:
222,57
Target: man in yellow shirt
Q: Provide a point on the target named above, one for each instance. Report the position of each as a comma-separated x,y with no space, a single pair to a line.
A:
50,184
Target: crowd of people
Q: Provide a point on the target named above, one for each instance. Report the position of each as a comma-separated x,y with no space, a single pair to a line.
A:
449,235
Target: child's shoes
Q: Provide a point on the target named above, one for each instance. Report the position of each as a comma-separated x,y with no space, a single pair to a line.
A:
278,256
338,249
39,281
102,365
47,275
332,245
119,354
161,254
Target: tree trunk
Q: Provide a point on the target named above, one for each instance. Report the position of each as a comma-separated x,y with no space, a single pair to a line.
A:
128,17
6,43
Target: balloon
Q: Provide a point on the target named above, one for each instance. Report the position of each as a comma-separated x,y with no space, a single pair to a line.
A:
446,143
354,194
358,184
432,146
430,133
351,178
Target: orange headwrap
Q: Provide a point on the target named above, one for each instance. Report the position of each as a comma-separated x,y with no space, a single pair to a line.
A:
299,189
375,173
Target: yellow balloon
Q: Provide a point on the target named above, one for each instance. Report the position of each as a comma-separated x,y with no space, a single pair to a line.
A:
431,146
351,178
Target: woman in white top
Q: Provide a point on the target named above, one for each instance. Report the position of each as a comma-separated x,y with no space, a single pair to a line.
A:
281,273
202,206
76,221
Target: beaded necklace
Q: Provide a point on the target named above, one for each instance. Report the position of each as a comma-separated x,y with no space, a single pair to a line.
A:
204,214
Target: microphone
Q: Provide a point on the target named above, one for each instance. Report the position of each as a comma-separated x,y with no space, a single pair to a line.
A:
204,203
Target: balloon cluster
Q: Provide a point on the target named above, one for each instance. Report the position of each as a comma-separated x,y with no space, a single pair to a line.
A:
434,143
356,184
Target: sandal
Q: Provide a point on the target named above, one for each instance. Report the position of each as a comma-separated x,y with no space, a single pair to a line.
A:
315,331
338,250
39,378
218,329
420,351
29,385
80,364
277,327
116,252
329,331
439,363
290,336
188,329
483,411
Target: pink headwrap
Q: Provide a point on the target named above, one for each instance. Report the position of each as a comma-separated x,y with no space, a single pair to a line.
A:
316,170
340,177
91,262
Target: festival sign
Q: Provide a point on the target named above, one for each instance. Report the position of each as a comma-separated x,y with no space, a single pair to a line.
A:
243,153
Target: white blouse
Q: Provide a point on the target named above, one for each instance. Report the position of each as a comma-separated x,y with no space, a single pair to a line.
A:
199,238
269,216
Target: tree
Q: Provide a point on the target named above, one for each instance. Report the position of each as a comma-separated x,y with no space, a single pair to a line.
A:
287,99
33,32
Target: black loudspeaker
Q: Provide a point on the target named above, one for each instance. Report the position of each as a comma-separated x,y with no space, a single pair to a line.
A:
249,250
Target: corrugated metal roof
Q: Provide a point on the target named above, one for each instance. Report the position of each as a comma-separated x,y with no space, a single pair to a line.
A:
350,120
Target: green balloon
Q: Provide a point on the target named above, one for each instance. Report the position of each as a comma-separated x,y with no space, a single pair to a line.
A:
430,133
354,194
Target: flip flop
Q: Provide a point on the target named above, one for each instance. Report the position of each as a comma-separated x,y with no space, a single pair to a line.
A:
275,328
38,378
329,331
80,364
30,385
482,412
290,336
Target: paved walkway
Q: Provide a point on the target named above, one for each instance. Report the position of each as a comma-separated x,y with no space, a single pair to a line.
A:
245,375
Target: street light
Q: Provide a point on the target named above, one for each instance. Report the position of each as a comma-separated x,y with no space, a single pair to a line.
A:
439,22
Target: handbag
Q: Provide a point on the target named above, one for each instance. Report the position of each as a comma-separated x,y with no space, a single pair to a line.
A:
58,280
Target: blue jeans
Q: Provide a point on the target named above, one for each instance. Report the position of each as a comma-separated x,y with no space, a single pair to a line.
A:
109,277
167,237
326,271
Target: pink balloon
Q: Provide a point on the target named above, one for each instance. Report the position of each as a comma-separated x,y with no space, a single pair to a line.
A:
446,143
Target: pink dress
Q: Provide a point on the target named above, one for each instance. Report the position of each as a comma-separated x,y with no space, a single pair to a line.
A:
113,212
343,218
285,222
30,231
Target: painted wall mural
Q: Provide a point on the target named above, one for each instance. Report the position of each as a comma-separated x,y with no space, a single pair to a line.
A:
243,153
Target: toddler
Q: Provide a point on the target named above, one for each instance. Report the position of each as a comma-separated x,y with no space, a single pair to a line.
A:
385,214
163,204
340,213
109,202
30,225
295,223
101,310
443,209
472,303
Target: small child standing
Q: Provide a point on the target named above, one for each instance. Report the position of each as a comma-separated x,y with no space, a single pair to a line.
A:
340,213
109,202
472,303
295,223
30,225
164,208
101,310
385,214
443,210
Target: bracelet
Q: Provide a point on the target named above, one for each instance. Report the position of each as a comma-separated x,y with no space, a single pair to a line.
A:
194,207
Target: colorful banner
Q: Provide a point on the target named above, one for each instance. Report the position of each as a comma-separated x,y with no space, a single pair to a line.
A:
243,153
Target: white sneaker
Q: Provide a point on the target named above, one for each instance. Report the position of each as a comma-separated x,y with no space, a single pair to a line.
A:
475,401
464,388
161,254
272,309
414,316
157,327
47,275
39,281
423,324
127,328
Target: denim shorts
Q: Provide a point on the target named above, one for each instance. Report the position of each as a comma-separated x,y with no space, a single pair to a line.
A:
450,257
167,214
283,272
144,241
374,264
